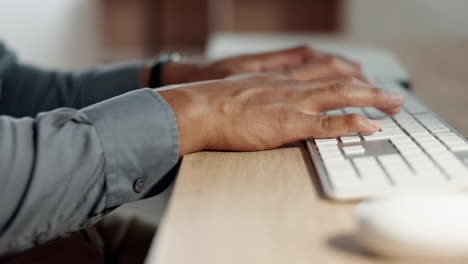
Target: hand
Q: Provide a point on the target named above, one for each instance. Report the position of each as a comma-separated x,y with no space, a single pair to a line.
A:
264,111
174,72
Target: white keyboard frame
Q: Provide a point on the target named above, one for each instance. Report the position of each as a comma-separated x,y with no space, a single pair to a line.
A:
358,194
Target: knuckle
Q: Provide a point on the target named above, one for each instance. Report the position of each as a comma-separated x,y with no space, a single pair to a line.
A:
352,119
337,88
333,61
329,60
349,79
377,93
325,122
295,73
355,80
288,84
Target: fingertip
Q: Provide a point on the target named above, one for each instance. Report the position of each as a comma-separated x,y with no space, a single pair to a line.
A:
363,81
369,125
388,100
362,78
391,111
394,96
361,124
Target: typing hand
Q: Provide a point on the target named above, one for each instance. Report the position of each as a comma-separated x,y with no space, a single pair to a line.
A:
264,111
176,72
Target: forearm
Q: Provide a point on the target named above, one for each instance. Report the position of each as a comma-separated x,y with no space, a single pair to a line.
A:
63,170
28,90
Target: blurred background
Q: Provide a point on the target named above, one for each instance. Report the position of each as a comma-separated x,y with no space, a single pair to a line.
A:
80,33
74,34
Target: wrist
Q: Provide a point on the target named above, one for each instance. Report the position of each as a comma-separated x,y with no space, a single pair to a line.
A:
145,76
180,72
192,119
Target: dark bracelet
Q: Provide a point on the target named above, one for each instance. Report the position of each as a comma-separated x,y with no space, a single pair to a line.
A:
155,75
156,71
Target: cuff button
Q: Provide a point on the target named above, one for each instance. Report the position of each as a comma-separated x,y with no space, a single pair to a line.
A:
138,185
41,238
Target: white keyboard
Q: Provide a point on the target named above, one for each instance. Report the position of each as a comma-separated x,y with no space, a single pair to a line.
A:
414,149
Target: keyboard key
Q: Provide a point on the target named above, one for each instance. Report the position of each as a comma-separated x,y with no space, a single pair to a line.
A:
366,165
435,150
342,174
354,110
374,113
381,136
329,156
372,175
458,148
453,141
352,150
414,107
328,147
328,141
401,140
454,168
398,170
404,143
425,168
344,182
376,136
330,151
350,139
415,130
410,150
335,112
387,121
446,134
390,159
366,162
423,137
393,131
432,123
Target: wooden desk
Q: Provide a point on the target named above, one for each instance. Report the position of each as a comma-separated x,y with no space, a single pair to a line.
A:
267,207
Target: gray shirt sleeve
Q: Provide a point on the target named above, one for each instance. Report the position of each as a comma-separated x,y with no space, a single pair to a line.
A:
62,170
26,90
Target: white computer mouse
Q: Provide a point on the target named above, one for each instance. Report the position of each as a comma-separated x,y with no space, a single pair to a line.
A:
427,225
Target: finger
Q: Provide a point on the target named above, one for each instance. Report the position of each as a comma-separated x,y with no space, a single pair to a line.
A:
329,81
323,55
283,59
350,95
324,126
355,63
327,67
390,111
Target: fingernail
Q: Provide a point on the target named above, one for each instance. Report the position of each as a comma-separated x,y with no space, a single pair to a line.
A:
369,80
395,96
373,123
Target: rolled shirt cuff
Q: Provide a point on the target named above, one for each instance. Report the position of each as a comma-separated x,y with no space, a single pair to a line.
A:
140,138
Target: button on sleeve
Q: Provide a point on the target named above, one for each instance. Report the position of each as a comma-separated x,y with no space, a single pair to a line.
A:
139,185
139,134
